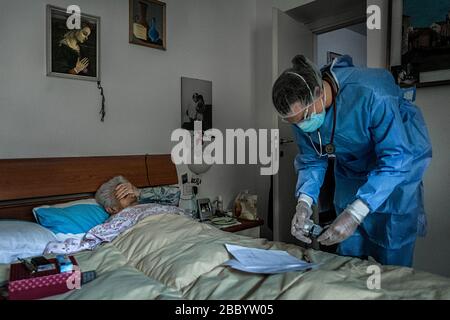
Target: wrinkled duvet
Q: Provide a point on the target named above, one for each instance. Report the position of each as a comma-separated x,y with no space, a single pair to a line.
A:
168,256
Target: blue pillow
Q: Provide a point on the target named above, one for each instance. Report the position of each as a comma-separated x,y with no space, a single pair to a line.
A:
75,218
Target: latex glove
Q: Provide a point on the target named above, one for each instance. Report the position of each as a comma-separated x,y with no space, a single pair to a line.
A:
302,213
125,189
342,228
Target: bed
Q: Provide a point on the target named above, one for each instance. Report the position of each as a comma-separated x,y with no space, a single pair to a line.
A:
169,256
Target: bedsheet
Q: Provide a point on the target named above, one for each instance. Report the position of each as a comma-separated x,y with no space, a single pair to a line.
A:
170,256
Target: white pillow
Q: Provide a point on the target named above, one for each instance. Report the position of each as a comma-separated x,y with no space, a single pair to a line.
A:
61,237
21,239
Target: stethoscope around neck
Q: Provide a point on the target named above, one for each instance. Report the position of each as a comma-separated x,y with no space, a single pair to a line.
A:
330,148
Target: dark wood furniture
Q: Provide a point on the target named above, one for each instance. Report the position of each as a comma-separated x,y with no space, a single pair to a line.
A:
245,224
27,183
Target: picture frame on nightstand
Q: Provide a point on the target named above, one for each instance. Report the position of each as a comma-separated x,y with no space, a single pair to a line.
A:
205,210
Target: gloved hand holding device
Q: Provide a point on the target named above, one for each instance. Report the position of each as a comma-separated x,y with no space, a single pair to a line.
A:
302,214
345,224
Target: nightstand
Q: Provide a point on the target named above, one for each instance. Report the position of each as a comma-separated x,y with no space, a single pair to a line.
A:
249,228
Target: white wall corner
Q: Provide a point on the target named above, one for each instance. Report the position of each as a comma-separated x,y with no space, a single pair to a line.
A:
377,40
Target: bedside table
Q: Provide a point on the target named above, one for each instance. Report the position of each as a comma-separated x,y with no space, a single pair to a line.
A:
249,228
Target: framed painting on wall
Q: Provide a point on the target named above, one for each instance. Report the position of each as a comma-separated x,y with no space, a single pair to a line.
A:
73,54
196,103
425,45
148,23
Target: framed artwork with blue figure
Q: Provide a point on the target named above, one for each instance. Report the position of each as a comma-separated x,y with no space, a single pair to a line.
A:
148,23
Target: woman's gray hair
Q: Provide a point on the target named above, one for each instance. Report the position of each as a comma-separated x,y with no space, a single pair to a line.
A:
105,194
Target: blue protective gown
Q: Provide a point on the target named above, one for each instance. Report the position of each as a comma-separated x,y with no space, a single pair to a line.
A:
382,151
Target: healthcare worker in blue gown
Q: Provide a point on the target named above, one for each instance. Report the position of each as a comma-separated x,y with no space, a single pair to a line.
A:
381,148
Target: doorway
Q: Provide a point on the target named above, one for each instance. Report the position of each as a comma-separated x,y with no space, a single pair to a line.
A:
320,30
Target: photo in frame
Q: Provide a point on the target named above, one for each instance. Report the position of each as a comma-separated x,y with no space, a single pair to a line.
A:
331,56
425,43
73,54
204,209
196,103
148,23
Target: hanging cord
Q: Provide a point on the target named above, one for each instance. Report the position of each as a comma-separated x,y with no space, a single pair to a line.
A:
102,111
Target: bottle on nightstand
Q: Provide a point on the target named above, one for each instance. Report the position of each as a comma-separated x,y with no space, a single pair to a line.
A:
218,205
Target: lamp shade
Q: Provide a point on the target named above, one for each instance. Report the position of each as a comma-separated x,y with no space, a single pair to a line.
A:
199,168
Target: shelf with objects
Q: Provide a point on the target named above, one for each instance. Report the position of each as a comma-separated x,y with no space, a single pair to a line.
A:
244,225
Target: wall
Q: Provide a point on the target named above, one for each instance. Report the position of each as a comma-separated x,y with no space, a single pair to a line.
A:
42,116
377,40
265,116
432,252
342,41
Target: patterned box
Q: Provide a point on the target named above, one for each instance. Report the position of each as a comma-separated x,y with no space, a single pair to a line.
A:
26,286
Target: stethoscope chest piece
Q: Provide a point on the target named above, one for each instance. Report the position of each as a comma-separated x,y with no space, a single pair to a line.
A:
330,149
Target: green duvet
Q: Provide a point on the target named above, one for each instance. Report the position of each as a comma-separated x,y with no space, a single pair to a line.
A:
172,257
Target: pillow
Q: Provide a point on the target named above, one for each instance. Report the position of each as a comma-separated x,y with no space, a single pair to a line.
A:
165,195
73,217
21,239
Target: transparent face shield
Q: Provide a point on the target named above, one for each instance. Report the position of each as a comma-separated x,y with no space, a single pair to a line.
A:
306,112
296,109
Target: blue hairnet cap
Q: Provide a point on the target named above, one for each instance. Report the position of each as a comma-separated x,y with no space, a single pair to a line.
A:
301,83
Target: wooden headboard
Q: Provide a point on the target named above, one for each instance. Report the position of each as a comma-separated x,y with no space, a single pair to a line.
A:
27,183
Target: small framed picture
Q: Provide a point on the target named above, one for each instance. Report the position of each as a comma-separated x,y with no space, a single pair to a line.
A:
332,55
148,23
73,54
205,210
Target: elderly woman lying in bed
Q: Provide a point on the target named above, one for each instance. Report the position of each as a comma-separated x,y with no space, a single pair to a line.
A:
118,194
127,205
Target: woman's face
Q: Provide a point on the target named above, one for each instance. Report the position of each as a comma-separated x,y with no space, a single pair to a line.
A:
83,35
128,201
123,203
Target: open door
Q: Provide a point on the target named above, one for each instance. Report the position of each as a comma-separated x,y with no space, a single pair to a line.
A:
289,39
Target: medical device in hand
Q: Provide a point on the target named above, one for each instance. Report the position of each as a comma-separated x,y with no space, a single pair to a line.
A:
311,229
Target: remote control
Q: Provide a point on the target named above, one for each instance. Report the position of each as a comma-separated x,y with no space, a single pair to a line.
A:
87,276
